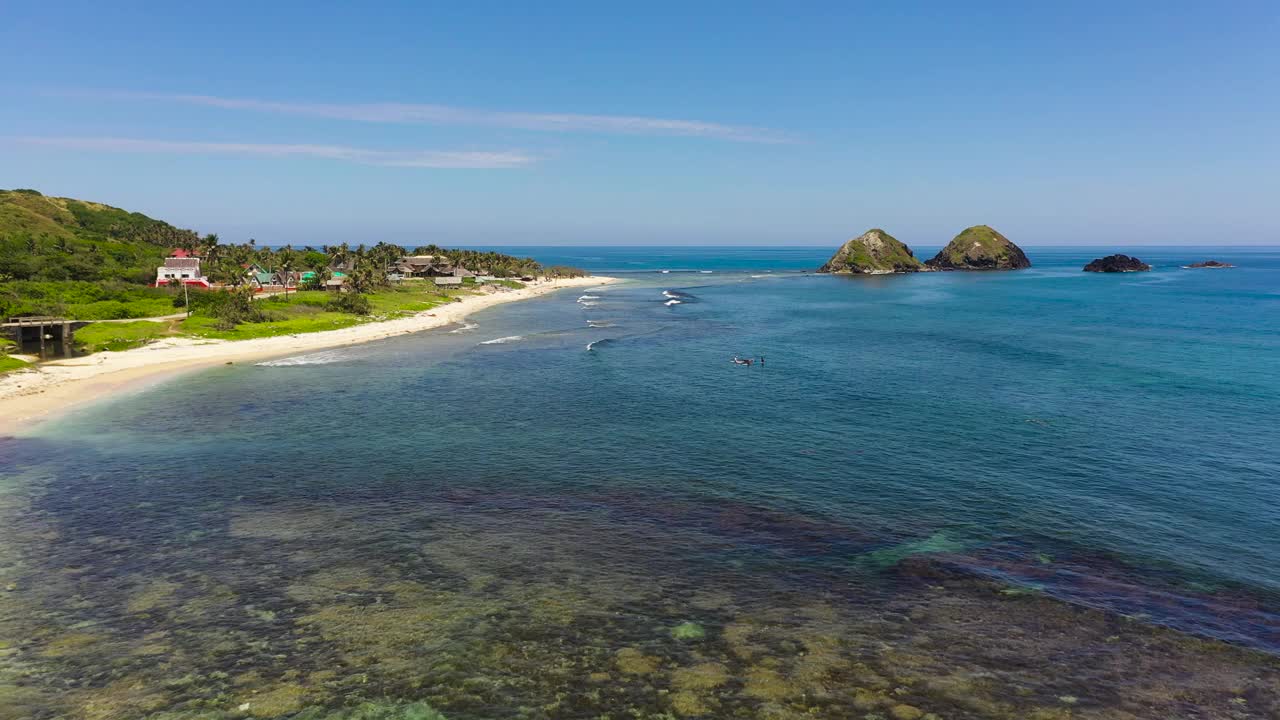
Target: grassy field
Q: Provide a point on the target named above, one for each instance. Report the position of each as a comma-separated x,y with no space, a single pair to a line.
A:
303,319
410,298
306,311
122,336
9,364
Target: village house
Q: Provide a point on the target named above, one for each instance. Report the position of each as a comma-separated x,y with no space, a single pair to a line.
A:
339,269
420,266
183,267
263,280
433,267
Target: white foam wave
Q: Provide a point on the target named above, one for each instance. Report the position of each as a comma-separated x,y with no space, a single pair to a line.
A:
319,358
503,340
672,301
706,272
588,297
467,326
599,323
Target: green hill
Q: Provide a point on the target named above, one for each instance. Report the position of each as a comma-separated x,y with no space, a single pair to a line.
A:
53,238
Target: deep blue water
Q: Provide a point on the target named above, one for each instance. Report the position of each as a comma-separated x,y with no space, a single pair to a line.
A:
1109,440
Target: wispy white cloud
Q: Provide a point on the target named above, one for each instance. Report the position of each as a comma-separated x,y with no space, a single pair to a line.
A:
389,158
411,113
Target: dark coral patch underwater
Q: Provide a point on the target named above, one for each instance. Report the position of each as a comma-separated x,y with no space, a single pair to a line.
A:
521,608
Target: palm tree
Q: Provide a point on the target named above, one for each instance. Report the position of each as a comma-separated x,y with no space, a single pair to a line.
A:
286,260
211,249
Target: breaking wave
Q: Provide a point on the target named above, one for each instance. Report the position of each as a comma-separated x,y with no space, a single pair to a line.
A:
675,297
503,340
467,326
591,346
318,358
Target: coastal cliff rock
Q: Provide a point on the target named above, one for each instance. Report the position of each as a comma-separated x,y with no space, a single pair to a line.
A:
1209,264
1117,263
874,252
980,248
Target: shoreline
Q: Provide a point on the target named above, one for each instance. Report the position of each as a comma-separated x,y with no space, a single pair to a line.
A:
34,396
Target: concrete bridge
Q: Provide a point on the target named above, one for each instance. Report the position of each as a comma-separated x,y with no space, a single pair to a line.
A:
43,334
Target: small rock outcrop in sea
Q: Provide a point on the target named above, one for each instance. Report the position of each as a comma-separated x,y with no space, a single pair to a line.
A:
1209,264
874,252
980,248
1117,263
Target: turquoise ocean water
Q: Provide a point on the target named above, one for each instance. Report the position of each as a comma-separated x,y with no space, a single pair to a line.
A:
572,477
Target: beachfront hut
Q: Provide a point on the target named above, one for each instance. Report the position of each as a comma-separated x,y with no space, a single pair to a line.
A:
259,280
447,281
342,267
421,266
275,280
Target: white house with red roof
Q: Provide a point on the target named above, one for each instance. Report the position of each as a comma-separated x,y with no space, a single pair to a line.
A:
182,266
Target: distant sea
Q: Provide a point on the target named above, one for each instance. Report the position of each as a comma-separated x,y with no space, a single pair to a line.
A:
971,494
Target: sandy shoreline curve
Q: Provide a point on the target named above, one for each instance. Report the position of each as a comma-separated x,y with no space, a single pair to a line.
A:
29,397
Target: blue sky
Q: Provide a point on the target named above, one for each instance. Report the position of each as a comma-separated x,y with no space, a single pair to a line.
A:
684,123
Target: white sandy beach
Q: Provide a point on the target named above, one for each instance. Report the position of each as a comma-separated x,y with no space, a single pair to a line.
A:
28,397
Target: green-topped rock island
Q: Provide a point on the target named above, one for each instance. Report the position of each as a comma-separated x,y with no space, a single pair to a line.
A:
874,252
980,247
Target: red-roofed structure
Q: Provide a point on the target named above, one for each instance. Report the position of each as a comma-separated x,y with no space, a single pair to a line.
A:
183,267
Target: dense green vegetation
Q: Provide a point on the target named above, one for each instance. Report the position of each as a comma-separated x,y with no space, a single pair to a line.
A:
46,238
82,300
88,261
